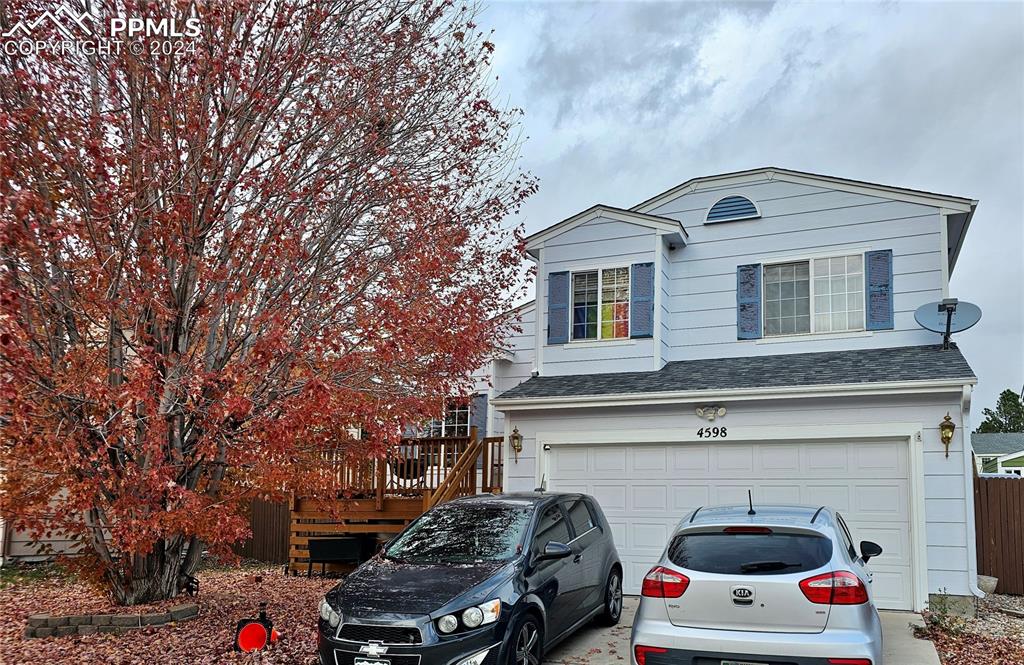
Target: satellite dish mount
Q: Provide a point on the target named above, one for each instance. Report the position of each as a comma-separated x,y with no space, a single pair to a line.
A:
948,305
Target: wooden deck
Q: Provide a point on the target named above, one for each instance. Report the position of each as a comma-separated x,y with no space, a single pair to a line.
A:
385,495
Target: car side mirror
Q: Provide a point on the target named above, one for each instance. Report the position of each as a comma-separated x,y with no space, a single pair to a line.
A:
555,550
869,550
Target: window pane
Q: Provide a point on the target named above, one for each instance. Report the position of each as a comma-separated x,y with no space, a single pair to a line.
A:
614,303
787,299
584,301
839,296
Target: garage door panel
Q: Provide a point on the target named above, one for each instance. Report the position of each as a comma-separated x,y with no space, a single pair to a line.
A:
733,459
650,498
828,459
608,459
891,586
834,495
611,497
645,490
884,459
649,537
881,501
569,459
650,459
780,494
687,497
779,460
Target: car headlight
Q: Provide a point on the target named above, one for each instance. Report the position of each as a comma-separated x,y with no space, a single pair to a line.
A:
491,611
473,617
448,623
328,614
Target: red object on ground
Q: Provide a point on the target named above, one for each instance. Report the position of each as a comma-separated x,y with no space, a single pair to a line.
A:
252,636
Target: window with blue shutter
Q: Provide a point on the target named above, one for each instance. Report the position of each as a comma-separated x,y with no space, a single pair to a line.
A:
878,306
732,207
641,301
748,301
558,307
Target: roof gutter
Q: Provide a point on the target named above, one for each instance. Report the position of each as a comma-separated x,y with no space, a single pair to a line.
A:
784,392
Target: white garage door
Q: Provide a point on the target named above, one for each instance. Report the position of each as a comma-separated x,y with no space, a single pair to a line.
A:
645,491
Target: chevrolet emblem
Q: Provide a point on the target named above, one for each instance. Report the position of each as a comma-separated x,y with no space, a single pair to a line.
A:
373,649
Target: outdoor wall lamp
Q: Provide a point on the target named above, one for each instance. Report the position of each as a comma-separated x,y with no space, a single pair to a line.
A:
946,429
515,439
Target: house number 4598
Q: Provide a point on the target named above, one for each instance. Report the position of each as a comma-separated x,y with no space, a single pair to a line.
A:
712,433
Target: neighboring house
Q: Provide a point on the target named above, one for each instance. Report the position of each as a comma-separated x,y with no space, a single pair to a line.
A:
999,452
751,331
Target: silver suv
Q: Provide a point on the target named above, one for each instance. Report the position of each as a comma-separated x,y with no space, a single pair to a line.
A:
761,585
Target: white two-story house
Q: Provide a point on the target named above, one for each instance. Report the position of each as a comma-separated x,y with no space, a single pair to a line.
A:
750,331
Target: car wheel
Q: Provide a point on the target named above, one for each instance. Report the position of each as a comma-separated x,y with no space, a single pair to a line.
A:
612,599
527,642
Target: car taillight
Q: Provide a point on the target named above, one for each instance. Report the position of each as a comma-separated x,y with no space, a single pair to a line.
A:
849,661
640,652
838,588
664,583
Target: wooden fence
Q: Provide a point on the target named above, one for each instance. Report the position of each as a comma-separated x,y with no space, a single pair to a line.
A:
269,524
999,524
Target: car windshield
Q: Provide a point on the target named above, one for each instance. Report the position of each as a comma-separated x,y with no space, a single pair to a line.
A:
750,553
461,533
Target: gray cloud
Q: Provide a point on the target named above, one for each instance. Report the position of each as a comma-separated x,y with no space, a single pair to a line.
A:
624,100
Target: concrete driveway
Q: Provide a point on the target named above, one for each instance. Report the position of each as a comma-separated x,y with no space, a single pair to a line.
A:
594,645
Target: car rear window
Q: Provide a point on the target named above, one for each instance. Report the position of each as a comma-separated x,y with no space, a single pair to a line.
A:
750,553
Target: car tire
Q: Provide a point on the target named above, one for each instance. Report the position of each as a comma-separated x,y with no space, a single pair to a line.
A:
526,641
612,611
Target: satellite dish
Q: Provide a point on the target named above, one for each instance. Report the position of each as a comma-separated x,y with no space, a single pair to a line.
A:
947,317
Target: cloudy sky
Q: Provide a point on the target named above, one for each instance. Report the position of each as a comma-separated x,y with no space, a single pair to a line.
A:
623,100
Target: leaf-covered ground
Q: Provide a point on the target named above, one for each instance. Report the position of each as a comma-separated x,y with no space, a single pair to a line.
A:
226,595
992,637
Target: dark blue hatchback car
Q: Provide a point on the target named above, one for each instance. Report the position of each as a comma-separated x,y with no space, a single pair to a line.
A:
484,580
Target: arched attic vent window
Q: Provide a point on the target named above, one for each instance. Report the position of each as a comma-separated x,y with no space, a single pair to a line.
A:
732,208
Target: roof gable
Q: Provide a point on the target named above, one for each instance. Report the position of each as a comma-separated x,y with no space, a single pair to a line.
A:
664,226
954,203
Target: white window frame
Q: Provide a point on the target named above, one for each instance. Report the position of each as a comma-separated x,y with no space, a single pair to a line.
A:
600,289
442,422
810,294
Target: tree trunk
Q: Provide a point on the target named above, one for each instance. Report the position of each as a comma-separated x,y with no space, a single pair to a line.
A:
159,575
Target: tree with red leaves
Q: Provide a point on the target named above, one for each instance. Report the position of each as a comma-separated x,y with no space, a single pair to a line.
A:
219,259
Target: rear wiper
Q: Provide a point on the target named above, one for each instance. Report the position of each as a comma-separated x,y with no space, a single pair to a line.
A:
755,566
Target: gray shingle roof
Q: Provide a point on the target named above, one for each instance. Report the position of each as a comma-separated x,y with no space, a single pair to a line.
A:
997,443
907,363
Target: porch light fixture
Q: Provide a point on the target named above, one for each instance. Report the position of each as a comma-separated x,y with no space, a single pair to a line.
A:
946,429
515,439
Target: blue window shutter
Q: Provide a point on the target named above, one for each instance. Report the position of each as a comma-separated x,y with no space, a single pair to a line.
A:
641,300
878,285
748,301
558,307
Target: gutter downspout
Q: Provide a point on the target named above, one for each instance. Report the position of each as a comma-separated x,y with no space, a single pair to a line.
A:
972,547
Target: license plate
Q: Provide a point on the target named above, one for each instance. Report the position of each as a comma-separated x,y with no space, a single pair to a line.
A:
370,661
728,662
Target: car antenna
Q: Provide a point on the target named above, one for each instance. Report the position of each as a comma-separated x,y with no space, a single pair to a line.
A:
750,498
543,482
